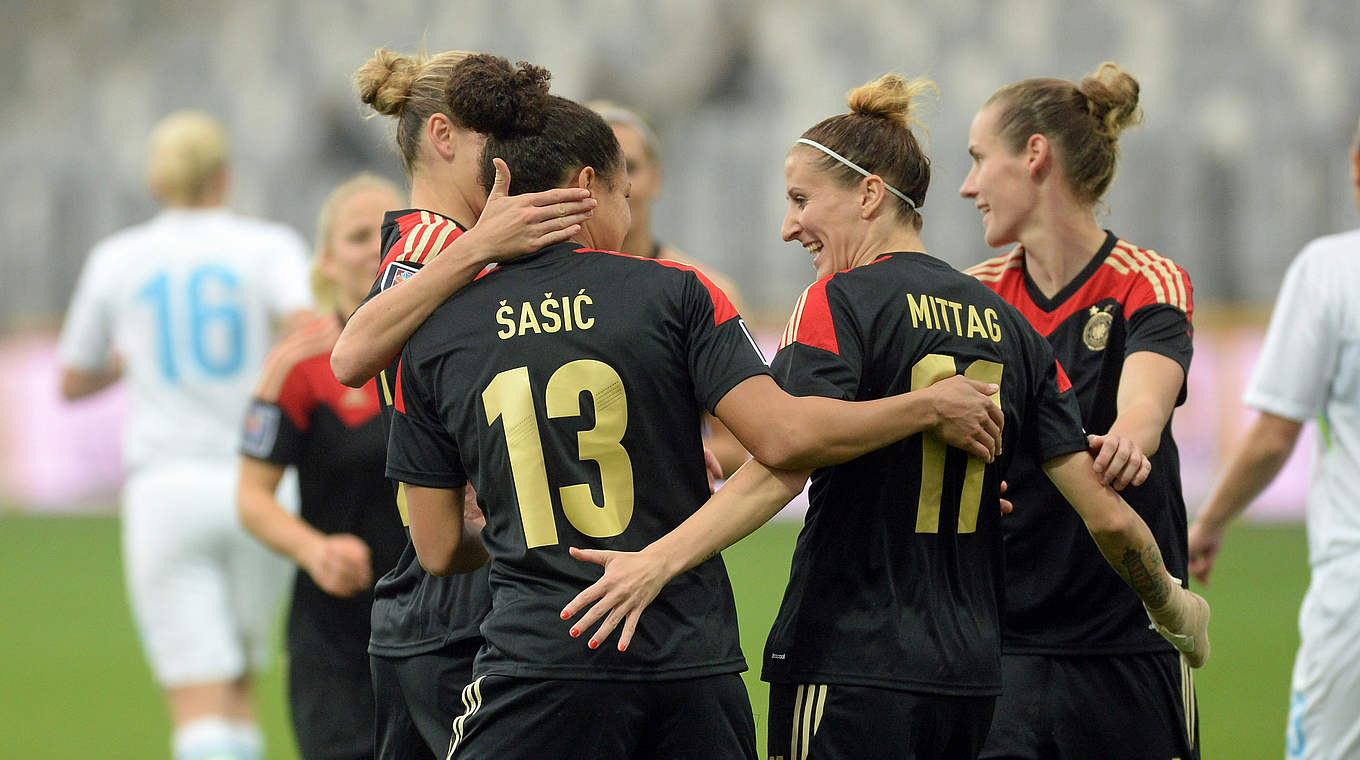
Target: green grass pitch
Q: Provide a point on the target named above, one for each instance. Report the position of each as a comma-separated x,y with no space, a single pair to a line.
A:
73,683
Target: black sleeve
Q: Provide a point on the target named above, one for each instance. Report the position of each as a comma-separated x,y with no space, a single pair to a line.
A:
270,435
720,351
420,450
1052,425
1166,330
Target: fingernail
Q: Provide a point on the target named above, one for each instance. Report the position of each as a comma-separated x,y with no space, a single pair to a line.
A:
623,647
594,644
575,633
565,615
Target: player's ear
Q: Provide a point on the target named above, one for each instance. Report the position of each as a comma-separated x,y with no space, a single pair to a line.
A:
440,131
871,194
1038,156
586,178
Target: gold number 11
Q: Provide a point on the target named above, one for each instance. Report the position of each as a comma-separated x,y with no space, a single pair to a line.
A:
930,369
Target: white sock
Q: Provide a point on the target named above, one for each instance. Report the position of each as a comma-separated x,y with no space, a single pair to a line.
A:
210,738
249,739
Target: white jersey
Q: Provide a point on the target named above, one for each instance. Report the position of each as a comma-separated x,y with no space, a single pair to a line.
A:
1310,368
189,300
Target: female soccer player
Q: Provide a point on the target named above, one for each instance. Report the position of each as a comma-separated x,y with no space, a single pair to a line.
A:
185,307
887,644
566,387
346,533
1118,319
424,629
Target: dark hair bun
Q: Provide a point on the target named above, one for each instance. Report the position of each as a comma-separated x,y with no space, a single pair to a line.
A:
490,96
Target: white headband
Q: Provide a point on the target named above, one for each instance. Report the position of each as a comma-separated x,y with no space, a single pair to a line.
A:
857,168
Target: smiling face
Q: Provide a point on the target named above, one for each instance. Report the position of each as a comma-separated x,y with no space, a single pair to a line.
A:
354,248
823,216
999,182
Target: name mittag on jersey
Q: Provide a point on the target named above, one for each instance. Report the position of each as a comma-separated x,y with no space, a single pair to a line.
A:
397,272
261,429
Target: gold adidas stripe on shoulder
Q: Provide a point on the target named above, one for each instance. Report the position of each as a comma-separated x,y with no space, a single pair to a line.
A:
1167,280
796,318
995,268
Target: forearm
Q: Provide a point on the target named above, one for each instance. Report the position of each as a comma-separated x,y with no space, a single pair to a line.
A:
820,432
1142,423
377,331
748,499
1259,457
1122,536
470,553
263,517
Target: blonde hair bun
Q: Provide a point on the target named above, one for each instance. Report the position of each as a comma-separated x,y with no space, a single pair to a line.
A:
1112,98
384,82
890,97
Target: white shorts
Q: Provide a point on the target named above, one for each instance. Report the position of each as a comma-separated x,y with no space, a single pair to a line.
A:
204,593
1324,703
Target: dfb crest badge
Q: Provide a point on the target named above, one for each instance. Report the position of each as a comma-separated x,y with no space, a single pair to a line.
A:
1096,334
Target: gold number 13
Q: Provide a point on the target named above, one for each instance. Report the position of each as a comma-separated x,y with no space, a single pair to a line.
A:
932,368
510,398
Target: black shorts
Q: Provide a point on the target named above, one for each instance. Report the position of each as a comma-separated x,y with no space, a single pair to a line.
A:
331,701
1116,707
417,699
514,718
835,722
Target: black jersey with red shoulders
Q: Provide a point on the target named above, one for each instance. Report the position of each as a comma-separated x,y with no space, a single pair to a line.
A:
566,387
897,575
337,441
415,612
1061,597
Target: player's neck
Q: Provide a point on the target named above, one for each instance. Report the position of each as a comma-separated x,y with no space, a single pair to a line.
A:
442,198
890,239
1059,248
638,241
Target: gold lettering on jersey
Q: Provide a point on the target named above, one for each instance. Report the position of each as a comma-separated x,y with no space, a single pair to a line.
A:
1096,334
550,315
935,313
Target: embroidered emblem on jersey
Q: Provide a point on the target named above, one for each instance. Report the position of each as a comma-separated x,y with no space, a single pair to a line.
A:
1096,334
397,272
261,429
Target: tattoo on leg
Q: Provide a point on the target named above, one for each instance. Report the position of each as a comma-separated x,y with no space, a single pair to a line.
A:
1141,569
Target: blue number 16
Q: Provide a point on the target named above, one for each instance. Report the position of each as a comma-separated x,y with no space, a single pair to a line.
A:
216,322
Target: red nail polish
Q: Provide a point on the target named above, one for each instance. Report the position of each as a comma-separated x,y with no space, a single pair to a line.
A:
594,644
575,633
623,647
565,615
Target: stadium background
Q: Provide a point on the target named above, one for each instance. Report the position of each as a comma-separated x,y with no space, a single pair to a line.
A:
1250,107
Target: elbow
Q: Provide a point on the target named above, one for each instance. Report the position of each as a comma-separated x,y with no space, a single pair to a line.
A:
780,448
1115,526
437,567
346,368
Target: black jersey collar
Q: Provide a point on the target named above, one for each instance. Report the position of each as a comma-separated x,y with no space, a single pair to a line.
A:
1049,304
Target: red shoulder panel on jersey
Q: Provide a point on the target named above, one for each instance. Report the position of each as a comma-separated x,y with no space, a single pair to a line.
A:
723,309
1064,384
299,394
398,399
1156,279
811,323
424,235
